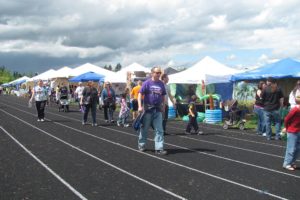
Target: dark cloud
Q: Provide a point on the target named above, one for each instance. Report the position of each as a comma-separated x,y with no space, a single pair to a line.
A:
37,34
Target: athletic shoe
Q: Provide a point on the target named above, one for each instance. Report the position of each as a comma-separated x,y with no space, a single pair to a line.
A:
126,125
83,123
200,133
42,120
264,134
106,121
38,120
95,124
161,152
188,133
118,123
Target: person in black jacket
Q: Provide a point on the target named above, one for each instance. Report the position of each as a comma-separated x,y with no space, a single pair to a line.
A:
89,101
272,99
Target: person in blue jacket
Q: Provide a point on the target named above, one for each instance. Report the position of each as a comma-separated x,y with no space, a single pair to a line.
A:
108,97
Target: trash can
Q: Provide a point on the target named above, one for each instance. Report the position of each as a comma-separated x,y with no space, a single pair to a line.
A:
213,116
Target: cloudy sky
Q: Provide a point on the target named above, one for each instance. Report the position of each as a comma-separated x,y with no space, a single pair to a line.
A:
36,35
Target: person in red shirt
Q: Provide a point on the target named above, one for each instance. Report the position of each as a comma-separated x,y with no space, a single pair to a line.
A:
292,127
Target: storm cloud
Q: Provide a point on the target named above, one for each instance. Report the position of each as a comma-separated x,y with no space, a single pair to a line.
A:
38,35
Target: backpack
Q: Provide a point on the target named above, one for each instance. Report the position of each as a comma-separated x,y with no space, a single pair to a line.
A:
138,122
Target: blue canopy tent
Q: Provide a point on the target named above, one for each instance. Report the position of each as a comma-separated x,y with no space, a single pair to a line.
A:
89,76
286,68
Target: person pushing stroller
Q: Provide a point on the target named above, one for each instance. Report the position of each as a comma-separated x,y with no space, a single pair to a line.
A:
63,102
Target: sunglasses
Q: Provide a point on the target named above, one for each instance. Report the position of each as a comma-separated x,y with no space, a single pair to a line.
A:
157,72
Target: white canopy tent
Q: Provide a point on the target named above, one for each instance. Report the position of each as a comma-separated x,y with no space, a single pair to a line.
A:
19,80
43,76
64,72
88,67
207,70
121,76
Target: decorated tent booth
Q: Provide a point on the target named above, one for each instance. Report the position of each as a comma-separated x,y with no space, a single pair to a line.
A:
205,77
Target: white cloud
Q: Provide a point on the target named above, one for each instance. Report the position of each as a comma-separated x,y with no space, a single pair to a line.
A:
231,57
218,22
150,32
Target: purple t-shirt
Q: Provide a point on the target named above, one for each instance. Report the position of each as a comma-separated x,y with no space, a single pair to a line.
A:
153,91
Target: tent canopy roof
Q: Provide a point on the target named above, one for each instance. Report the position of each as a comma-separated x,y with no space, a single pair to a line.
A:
88,67
207,70
43,76
285,68
63,72
88,76
121,76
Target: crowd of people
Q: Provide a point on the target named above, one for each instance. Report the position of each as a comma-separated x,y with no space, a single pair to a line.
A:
272,108
150,100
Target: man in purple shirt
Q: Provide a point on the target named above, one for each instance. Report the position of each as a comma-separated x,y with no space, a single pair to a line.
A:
154,92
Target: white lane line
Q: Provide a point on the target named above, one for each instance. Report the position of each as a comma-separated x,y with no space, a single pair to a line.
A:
162,159
173,145
233,147
78,194
228,137
95,157
244,140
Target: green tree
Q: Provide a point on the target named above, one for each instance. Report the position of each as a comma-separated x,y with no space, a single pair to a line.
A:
118,67
5,75
109,68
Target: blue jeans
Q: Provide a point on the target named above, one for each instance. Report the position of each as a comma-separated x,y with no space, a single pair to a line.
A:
155,119
87,107
292,148
261,125
269,115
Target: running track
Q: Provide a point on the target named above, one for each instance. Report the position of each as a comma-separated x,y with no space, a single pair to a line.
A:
61,159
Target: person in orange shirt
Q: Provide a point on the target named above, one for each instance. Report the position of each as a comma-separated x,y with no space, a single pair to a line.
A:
134,96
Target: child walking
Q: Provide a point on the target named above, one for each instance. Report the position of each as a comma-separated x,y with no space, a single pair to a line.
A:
292,127
124,112
192,117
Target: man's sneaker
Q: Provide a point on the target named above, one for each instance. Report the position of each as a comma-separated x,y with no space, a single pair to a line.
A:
83,123
142,149
94,124
126,125
38,120
106,121
42,120
161,152
200,133
264,134
118,123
